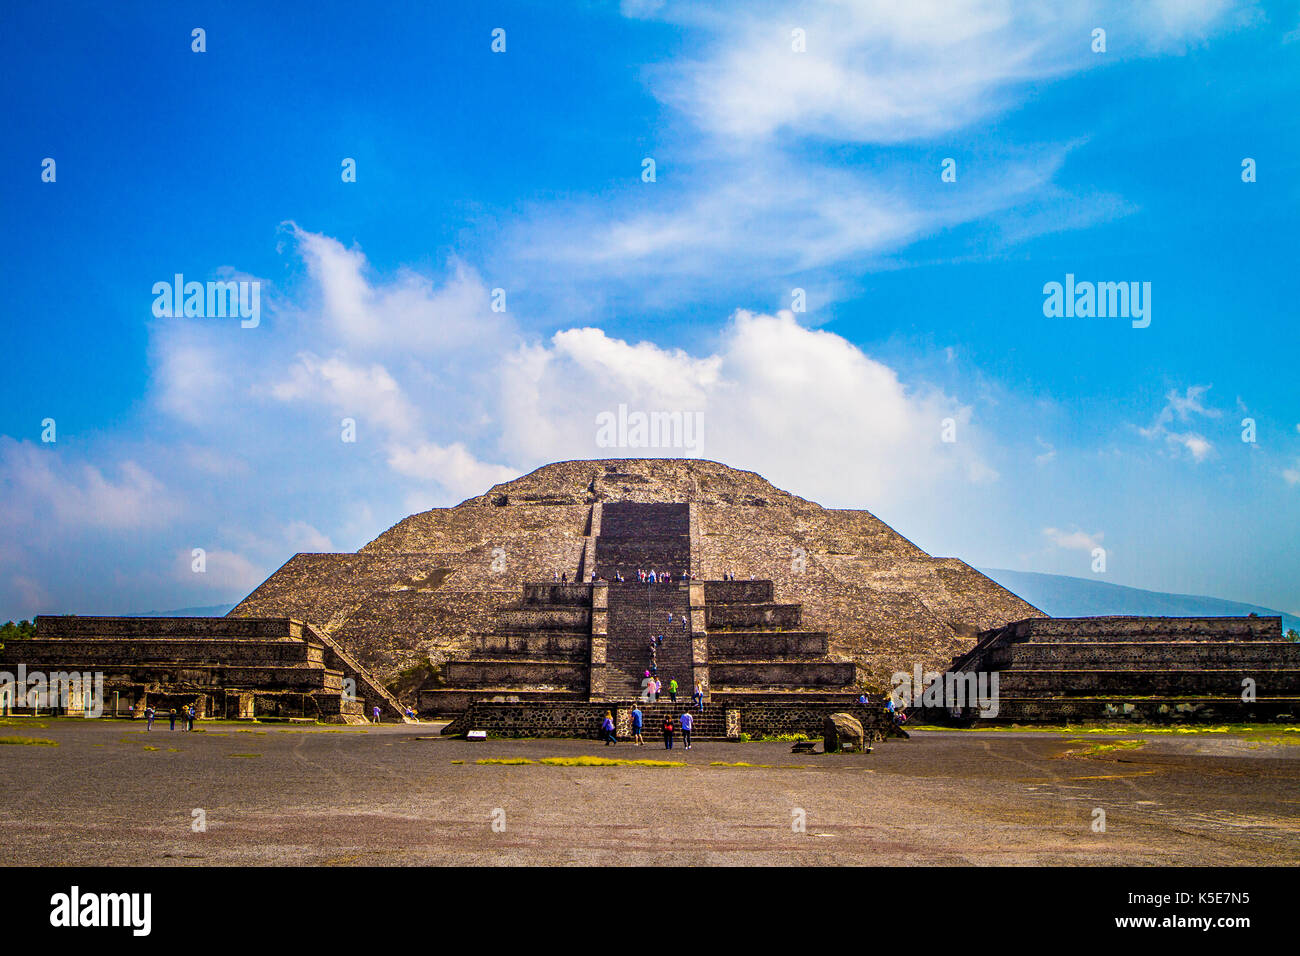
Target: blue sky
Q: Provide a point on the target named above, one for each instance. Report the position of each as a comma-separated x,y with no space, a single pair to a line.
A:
775,170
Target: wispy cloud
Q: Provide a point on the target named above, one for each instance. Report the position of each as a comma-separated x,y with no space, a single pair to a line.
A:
1183,408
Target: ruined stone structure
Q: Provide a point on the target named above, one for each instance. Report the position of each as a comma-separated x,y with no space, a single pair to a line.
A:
455,583
224,667
824,602
1144,668
462,604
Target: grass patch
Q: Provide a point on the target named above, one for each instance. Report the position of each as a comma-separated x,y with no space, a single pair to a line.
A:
739,763
507,761
29,741
607,762
245,755
1095,750
458,762
147,747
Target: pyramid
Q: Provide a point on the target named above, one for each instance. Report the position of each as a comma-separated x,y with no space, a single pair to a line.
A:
428,585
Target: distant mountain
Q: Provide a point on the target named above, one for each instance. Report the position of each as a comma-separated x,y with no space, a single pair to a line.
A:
215,610
1062,596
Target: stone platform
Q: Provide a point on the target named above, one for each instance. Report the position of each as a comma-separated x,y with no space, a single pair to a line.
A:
727,717
225,667
1140,668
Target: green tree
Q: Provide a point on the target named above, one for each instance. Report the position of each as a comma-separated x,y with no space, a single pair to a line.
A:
9,631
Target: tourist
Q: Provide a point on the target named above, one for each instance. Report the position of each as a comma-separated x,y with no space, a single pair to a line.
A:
699,697
172,716
555,576
636,727
659,639
686,625
863,699
659,687
189,717
672,689
687,723
668,733
652,578
148,718
607,729
376,713
564,577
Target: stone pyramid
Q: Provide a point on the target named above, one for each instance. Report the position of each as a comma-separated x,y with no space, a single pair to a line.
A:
432,581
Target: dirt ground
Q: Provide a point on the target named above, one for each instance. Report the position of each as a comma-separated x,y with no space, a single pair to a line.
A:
110,793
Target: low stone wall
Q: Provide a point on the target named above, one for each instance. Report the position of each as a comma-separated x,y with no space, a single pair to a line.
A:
451,702
1142,683
535,644
812,673
1138,710
77,627
557,594
738,592
766,645
583,720
105,651
1172,655
541,617
516,673
1145,629
752,615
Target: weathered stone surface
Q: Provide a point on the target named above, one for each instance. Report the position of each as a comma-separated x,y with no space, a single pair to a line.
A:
228,667
840,729
435,580
1143,668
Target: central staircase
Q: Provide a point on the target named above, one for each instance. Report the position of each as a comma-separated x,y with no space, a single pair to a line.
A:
645,537
638,612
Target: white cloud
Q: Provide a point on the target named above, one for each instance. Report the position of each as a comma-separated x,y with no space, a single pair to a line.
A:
452,468
48,487
366,392
884,72
227,572
1075,540
771,385
1183,407
750,183
1048,454
406,313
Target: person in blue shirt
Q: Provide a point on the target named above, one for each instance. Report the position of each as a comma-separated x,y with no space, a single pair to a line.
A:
607,729
636,726
688,723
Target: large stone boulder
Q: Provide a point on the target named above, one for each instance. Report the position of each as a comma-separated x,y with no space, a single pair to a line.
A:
841,729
